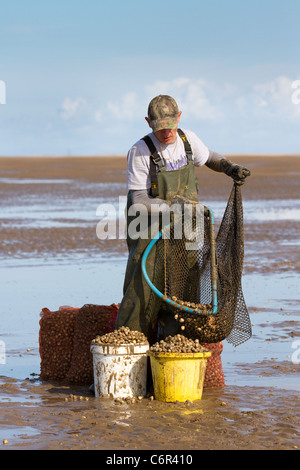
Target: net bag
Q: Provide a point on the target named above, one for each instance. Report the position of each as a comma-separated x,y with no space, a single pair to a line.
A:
65,336
201,282
56,339
91,321
214,375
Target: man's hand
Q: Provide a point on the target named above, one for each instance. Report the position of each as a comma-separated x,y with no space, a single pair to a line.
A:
219,163
237,173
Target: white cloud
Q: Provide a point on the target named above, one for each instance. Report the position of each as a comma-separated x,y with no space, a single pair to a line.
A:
275,98
217,108
127,107
98,116
197,98
69,108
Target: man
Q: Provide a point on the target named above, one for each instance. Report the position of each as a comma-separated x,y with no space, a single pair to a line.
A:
160,167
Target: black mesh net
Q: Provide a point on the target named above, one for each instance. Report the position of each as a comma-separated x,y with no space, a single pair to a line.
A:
189,275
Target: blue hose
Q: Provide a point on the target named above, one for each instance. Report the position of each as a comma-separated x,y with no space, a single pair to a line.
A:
164,297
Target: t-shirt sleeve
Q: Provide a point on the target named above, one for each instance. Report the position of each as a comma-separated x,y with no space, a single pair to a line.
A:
199,149
138,167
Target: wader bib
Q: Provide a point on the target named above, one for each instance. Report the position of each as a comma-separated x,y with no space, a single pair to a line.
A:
140,306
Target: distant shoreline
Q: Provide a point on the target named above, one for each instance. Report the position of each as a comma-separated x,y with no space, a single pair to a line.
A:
228,155
63,156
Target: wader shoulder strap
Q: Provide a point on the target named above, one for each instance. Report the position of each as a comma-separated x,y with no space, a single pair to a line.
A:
156,161
187,147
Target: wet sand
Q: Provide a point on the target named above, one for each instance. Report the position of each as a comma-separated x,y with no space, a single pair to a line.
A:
238,418
258,415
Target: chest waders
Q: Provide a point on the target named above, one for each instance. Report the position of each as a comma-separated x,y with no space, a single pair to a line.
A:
140,306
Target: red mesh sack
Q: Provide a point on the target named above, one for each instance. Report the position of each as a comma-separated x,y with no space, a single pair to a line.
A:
91,321
113,318
56,342
214,375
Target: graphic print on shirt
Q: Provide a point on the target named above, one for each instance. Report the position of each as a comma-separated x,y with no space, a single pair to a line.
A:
174,165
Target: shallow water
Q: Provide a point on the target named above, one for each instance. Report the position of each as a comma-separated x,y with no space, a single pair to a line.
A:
272,302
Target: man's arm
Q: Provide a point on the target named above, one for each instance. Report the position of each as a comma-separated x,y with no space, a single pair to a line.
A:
217,162
153,204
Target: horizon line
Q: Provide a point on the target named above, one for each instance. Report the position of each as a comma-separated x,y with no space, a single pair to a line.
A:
246,154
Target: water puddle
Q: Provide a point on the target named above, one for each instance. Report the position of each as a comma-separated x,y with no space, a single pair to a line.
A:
34,181
270,210
11,433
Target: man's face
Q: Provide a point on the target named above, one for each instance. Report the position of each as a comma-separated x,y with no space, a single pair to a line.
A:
166,136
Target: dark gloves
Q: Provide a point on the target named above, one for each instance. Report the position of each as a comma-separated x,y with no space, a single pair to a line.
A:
236,172
217,162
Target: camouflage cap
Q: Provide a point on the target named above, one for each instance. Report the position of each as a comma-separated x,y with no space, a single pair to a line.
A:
163,113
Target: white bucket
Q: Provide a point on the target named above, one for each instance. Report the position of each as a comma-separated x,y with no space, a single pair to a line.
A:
120,371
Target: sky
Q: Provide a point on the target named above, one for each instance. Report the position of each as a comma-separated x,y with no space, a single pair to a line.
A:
76,77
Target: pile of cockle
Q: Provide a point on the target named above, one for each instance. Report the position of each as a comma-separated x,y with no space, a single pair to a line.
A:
177,344
122,335
199,308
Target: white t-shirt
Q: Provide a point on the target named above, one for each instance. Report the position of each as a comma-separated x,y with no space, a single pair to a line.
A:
138,158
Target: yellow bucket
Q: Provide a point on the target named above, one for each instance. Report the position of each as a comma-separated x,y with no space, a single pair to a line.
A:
178,376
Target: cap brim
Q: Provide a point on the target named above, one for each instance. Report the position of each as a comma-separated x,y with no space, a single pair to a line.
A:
167,123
